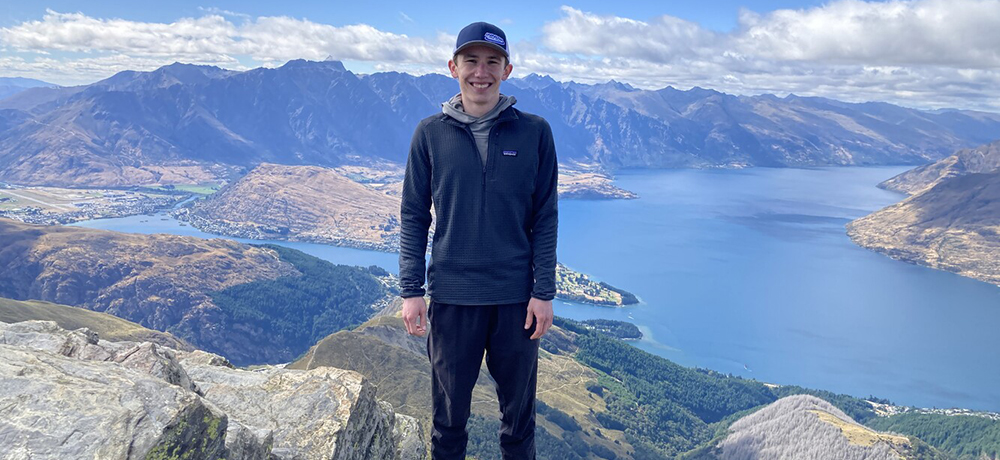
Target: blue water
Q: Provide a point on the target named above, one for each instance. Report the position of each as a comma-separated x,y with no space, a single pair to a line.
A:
750,272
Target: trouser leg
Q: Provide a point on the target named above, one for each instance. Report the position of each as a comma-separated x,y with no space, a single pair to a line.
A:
512,358
455,346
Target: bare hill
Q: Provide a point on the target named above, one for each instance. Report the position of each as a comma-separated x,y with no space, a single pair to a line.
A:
303,203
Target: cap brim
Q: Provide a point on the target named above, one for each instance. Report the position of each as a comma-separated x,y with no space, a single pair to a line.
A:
485,43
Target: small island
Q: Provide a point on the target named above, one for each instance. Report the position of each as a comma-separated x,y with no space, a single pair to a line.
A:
621,330
577,287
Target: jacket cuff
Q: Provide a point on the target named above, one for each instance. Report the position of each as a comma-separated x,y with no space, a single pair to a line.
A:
542,296
406,294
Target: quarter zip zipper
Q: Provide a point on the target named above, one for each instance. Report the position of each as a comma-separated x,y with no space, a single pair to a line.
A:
475,150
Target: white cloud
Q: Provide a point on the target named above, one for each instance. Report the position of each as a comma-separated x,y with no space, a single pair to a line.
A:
921,53
662,39
957,33
924,53
213,37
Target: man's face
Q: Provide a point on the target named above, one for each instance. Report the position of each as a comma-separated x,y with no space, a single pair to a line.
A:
479,70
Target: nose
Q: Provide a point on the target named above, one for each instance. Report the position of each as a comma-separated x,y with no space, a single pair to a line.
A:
481,69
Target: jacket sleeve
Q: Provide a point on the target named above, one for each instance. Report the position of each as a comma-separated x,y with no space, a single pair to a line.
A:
415,218
544,225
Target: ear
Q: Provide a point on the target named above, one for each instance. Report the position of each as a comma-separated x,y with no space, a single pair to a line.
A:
507,71
453,68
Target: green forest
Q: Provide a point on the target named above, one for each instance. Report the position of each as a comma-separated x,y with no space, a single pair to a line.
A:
298,311
964,436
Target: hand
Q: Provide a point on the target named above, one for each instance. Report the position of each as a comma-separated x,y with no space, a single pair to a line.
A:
541,310
415,315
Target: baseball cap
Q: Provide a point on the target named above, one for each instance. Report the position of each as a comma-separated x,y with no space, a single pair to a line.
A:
482,33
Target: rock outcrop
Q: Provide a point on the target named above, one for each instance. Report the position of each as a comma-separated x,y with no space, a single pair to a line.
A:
68,394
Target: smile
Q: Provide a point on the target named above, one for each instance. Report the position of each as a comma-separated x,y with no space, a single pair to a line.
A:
481,85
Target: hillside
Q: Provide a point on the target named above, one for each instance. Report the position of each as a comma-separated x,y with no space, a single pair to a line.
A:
982,159
953,226
598,397
107,326
140,127
219,295
396,362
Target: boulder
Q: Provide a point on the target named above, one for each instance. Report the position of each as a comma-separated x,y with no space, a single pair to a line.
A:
68,394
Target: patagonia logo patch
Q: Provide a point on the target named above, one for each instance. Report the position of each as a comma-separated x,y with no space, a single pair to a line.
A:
510,153
493,38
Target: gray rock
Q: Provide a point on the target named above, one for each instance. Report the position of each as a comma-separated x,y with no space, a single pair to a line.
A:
84,344
54,406
68,394
409,438
323,413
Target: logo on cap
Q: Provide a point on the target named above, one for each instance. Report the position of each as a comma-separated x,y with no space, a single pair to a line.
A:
493,38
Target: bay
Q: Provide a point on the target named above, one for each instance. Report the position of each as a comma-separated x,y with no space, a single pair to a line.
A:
750,272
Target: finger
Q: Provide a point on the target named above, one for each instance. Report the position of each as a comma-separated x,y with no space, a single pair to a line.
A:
542,328
406,322
527,320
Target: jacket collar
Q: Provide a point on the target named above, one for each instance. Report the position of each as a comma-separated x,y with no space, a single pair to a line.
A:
508,114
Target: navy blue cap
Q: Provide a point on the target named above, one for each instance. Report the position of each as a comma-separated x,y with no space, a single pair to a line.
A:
482,33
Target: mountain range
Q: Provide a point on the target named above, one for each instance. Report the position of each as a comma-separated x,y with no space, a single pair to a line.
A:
134,126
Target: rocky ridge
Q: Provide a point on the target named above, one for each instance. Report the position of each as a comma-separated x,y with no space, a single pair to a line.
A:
982,159
68,394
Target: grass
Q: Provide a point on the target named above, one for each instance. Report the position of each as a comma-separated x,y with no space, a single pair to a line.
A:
860,434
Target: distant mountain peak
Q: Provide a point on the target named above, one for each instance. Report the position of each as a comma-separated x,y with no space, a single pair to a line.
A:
328,63
535,81
620,86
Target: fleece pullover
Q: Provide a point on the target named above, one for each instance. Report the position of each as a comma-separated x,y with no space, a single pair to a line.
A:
496,223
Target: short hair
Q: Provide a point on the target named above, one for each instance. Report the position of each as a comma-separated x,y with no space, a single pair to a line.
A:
506,61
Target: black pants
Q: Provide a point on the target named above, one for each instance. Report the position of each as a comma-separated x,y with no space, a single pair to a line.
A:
459,334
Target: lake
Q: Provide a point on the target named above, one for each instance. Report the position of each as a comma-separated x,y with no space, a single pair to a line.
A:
750,272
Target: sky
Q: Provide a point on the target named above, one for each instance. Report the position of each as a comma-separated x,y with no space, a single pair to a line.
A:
925,54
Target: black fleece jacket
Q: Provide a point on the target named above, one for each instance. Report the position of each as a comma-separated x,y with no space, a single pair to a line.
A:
495,230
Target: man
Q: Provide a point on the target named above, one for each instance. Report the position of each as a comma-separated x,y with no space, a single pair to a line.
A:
490,172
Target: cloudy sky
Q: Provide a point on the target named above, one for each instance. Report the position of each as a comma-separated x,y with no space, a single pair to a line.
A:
918,53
